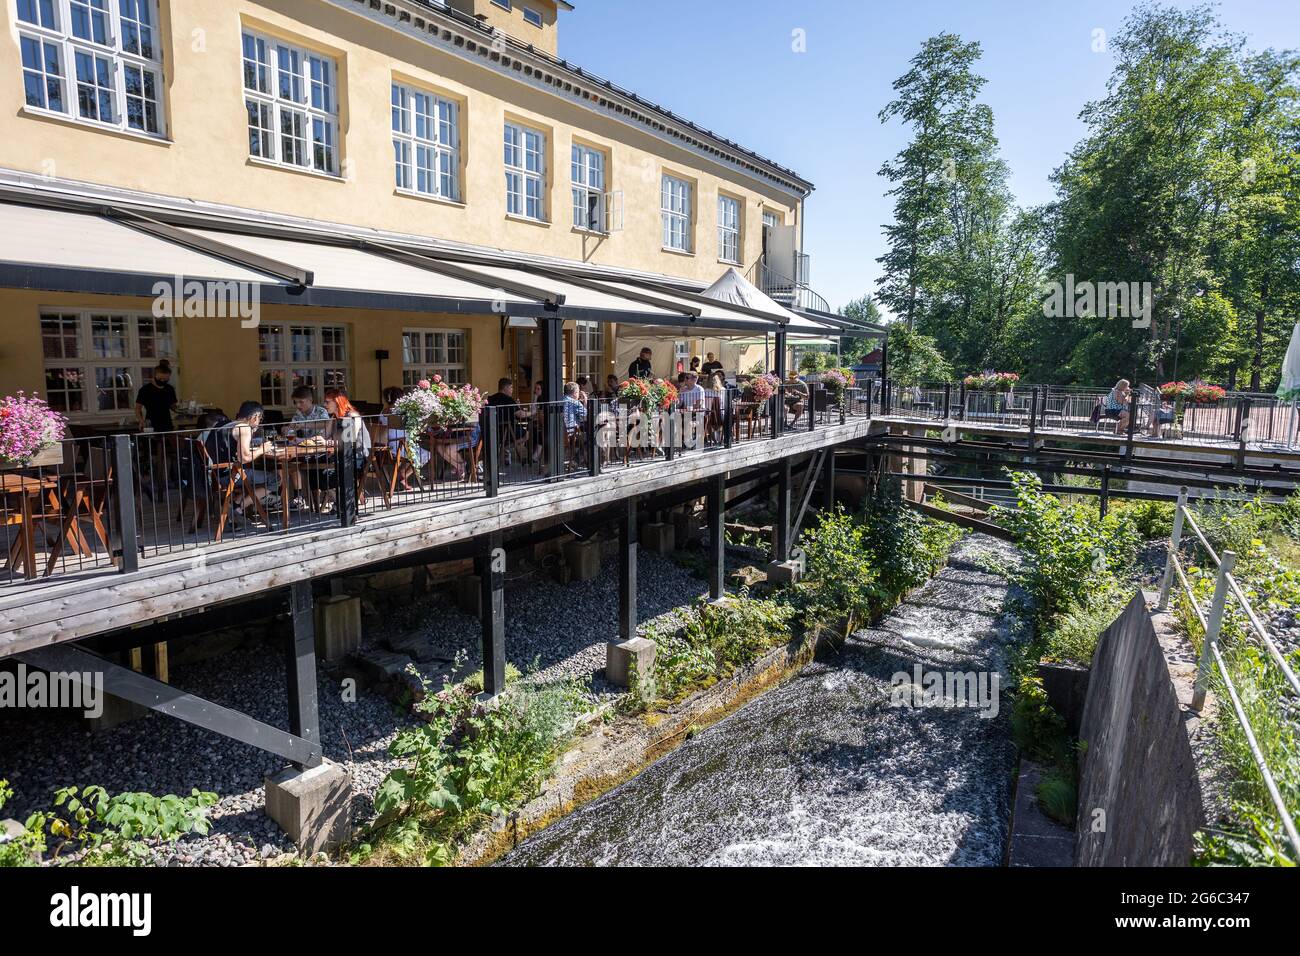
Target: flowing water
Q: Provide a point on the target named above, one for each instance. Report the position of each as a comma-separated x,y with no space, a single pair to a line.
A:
824,769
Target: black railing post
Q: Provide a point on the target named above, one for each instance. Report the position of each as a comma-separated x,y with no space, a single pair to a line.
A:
593,452
669,431
124,488
345,466
728,422
490,428
773,408
1103,501
1132,418
947,401
961,399
1033,416
844,399
812,404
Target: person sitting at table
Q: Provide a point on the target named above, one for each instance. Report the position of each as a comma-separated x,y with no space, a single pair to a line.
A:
345,421
715,397
1116,405
397,443
538,427
690,396
584,388
641,368
710,365
611,388
305,410
795,395
237,441
695,365
512,427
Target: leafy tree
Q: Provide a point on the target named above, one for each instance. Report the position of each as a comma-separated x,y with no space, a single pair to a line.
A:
914,359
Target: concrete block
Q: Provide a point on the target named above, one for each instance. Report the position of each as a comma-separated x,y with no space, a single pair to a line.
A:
686,527
338,627
583,559
658,537
397,579
314,807
784,572
621,659
467,594
381,667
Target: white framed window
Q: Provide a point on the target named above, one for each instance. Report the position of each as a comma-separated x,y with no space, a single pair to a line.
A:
503,4
525,159
676,209
291,96
430,352
96,361
728,229
588,171
532,16
93,61
589,352
291,354
426,143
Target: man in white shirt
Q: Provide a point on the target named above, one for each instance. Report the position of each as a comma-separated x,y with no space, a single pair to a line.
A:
691,396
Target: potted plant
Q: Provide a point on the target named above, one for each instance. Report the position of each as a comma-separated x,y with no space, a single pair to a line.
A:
647,394
760,388
30,432
435,404
837,382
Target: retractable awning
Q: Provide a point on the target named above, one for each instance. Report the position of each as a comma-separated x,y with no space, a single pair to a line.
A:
119,252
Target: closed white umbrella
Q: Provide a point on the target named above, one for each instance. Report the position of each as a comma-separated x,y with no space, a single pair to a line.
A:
1288,386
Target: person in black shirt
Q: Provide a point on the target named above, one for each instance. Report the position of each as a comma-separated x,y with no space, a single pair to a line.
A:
710,366
641,368
156,400
512,425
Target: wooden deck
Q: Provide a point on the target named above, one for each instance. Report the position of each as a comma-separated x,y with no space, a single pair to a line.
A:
82,605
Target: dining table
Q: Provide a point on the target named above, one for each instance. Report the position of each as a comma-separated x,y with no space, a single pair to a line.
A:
27,491
309,456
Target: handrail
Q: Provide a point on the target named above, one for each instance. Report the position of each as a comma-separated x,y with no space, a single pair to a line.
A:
1225,584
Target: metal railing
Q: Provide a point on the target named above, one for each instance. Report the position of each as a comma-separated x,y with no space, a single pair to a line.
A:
1211,657
110,502
1238,419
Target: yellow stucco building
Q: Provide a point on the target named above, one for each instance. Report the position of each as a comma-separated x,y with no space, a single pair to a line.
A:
393,178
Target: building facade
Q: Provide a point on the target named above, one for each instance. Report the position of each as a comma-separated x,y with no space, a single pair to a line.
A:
453,122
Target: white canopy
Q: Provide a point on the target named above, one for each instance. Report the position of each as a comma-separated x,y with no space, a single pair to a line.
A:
733,288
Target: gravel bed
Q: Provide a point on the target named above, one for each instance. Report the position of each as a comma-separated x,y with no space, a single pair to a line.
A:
561,629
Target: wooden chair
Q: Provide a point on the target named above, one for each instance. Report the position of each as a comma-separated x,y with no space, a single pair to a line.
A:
223,478
84,492
383,464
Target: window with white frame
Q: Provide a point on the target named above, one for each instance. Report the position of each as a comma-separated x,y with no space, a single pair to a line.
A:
430,352
588,167
532,17
85,61
96,361
426,143
525,159
291,354
728,229
676,207
291,96
589,352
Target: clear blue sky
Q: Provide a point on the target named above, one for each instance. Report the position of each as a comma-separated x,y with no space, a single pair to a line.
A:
728,65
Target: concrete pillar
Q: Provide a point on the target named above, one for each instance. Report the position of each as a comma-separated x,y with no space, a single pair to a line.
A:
313,806
338,627
659,537
583,558
635,656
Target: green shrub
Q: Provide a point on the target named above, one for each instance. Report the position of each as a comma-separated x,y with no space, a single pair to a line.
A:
1072,637
96,828
1058,796
1153,520
474,682
471,760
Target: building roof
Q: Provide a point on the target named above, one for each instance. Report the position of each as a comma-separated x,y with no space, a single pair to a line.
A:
460,33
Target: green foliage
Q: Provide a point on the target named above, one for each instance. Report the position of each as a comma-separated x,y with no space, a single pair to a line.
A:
96,828
914,359
1037,729
1152,520
815,360
1058,796
715,640
470,760
1068,552
902,545
1072,637
474,682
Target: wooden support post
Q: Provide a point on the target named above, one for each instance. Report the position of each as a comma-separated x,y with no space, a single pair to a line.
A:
717,504
627,533
491,568
828,480
300,664
781,533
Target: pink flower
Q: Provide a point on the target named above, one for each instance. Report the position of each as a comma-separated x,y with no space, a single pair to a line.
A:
422,383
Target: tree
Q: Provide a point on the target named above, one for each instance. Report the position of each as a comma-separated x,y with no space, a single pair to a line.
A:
936,98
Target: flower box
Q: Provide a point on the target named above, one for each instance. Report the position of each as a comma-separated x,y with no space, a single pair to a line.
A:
49,455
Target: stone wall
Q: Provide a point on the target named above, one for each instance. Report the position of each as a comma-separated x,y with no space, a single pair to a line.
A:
1140,797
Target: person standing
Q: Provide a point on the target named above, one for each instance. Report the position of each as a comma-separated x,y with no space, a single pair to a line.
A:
641,368
156,400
